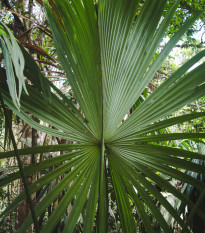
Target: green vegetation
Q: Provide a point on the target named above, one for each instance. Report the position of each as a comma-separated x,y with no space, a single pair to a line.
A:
118,158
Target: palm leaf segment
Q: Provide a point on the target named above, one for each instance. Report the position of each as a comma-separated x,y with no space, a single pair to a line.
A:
108,59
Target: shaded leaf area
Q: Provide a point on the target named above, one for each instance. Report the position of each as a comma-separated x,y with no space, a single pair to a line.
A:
14,64
108,61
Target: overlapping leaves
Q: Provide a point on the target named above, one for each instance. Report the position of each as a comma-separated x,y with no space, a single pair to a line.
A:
108,60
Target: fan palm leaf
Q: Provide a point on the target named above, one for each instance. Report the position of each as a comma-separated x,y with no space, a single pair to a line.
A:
108,58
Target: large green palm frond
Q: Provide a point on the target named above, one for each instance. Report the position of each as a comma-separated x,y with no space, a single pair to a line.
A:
108,58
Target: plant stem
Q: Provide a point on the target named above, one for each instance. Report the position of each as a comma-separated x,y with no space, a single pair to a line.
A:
102,192
35,221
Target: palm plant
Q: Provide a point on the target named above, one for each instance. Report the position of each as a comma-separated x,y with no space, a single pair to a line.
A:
108,58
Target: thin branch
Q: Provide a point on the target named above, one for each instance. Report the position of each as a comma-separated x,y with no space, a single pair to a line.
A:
38,50
50,71
48,63
200,45
22,132
58,77
3,148
48,32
